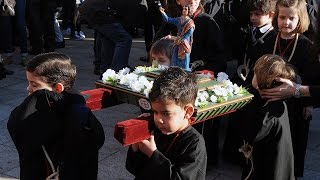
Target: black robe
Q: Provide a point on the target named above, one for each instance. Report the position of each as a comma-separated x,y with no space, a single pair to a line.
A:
208,46
67,129
233,140
268,131
185,159
302,61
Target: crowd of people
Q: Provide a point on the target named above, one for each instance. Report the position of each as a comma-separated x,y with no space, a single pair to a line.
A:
275,44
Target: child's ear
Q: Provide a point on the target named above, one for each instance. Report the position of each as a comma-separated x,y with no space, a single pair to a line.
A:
271,14
189,111
59,87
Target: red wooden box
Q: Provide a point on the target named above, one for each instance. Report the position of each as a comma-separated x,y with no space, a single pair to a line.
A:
133,130
99,98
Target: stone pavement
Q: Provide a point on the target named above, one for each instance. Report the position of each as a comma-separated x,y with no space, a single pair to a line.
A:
112,155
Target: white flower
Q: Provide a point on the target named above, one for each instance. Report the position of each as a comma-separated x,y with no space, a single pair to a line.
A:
236,89
128,79
199,103
227,82
201,100
143,80
213,98
162,67
109,76
222,76
136,86
124,71
219,91
149,86
147,90
203,95
229,90
139,69
143,69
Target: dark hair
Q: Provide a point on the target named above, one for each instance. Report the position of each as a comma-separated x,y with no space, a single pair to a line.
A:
270,66
264,6
53,68
301,8
176,85
162,46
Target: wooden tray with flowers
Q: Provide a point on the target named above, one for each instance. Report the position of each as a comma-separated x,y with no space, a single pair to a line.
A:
215,97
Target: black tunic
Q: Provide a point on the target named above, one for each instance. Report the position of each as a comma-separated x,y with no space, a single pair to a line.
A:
268,131
208,46
185,159
233,140
68,130
301,61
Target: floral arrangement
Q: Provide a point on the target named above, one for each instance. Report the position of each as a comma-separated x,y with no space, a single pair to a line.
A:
132,81
154,67
219,93
139,83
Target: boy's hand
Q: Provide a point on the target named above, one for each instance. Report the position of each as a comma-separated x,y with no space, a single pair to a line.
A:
161,9
148,146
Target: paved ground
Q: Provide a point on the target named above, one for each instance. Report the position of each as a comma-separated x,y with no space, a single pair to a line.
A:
112,154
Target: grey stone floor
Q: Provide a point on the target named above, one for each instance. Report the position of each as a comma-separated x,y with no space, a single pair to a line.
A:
112,155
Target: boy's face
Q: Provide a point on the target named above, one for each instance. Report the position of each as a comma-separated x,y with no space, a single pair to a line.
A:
169,117
160,58
36,83
258,19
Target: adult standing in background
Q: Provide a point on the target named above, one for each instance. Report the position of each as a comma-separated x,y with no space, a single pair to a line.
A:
152,23
106,18
40,15
13,32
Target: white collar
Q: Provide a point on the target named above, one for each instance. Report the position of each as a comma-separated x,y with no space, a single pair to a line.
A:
264,28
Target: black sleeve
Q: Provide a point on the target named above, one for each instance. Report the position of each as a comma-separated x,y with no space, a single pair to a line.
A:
215,53
208,44
34,123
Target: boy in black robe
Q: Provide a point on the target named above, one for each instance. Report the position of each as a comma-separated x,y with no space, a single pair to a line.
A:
53,125
254,36
267,137
176,150
207,54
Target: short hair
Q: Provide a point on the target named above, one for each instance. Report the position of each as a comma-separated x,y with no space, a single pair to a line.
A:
53,68
270,66
298,5
176,85
162,46
264,6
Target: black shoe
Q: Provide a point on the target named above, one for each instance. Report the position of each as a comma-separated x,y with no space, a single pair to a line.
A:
8,72
60,44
